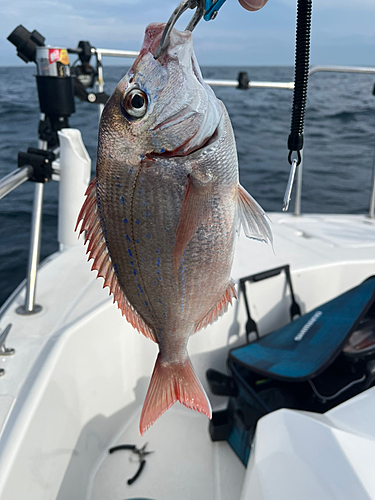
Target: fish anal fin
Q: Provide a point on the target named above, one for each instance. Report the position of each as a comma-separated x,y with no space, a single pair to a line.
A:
98,252
252,217
170,383
195,210
220,308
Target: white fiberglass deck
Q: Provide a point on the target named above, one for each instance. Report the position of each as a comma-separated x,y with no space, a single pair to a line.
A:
78,379
185,462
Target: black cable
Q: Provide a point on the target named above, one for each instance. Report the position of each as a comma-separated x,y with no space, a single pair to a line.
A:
301,76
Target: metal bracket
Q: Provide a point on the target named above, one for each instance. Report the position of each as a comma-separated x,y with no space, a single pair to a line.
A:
289,187
5,351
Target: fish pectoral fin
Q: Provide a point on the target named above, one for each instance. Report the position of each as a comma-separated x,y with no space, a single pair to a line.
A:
195,210
98,251
171,383
252,217
219,309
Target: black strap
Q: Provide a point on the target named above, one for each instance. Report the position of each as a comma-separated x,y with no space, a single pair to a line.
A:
301,77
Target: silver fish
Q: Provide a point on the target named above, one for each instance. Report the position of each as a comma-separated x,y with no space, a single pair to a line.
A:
162,213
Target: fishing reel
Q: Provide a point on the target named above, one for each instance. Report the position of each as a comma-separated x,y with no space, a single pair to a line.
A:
85,74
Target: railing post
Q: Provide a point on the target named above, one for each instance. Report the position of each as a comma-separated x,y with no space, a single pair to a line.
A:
36,230
100,80
34,253
372,198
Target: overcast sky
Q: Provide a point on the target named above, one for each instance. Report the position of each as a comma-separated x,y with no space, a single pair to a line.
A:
343,30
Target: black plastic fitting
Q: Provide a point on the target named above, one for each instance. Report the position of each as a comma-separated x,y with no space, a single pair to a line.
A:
26,42
243,80
41,161
85,54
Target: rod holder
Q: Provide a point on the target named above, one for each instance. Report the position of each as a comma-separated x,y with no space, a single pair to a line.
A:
75,169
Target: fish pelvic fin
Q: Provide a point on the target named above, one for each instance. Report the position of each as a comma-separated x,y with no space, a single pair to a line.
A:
195,210
98,251
171,383
252,217
219,309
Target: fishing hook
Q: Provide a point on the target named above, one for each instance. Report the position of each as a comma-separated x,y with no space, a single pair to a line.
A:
182,7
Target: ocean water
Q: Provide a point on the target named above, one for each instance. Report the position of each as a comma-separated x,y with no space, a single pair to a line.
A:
338,155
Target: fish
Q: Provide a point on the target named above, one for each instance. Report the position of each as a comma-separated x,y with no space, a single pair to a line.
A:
161,215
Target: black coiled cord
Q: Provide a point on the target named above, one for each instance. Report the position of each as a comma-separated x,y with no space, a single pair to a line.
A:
301,77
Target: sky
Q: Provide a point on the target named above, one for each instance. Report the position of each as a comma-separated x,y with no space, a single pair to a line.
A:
343,31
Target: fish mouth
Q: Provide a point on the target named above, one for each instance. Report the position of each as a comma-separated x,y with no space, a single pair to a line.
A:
177,153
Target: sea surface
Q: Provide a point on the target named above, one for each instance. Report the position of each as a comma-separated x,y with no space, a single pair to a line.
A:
338,154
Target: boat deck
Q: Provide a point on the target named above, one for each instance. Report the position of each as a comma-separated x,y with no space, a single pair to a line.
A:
76,385
179,439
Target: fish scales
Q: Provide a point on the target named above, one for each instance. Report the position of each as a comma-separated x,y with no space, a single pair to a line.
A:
141,237
162,213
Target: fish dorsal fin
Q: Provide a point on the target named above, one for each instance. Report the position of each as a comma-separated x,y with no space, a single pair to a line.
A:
220,308
252,217
97,250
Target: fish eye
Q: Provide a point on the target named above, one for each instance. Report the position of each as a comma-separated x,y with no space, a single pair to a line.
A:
135,103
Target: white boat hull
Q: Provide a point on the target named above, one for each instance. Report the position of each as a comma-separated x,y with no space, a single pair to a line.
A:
78,379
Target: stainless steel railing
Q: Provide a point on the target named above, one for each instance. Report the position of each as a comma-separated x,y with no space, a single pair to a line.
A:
99,53
342,69
19,176
372,196
334,69
253,84
114,53
15,179
7,185
34,253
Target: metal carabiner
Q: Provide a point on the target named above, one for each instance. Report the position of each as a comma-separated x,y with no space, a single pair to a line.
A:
212,8
289,187
183,6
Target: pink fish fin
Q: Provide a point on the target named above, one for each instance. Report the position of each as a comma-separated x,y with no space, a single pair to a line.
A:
195,210
126,308
98,251
220,308
252,217
88,204
171,383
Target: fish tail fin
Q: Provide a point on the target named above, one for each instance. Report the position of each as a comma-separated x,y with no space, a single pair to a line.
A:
171,383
